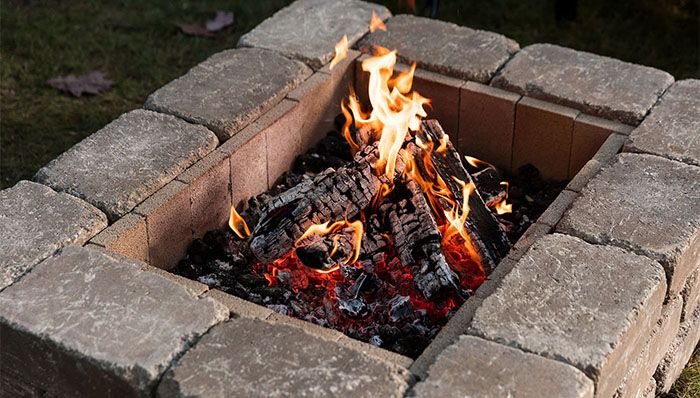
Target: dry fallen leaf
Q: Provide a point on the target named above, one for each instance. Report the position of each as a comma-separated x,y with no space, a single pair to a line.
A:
220,21
91,83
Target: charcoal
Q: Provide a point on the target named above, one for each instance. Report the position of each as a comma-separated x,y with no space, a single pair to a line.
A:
401,308
488,182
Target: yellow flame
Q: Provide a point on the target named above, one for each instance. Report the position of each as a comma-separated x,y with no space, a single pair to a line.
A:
376,23
238,224
502,207
341,51
478,163
328,228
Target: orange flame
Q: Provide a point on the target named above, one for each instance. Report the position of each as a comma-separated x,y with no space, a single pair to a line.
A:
479,163
341,51
376,23
238,224
502,207
328,228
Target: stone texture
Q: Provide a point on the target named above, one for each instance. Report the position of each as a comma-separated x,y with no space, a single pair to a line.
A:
127,237
672,128
35,221
475,367
253,358
444,47
486,123
309,29
168,224
239,307
679,354
127,160
575,302
691,294
645,204
594,84
89,323
542,137
663,334
556,209
229,89
589,135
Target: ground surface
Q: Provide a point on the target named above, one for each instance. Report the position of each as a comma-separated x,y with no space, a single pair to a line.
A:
136,44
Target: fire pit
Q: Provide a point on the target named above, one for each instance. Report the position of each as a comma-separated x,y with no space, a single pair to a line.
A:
272,234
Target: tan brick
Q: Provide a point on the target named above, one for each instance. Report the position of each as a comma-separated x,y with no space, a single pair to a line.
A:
543,137
168,223
209,186
127,236
443,92
486,123
662,335
589,134
247,153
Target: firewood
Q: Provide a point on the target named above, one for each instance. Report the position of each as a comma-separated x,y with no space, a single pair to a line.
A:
485,231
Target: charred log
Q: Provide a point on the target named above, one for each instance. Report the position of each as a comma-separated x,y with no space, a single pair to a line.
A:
486,233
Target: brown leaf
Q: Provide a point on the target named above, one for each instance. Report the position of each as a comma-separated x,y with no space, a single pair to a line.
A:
220,21
194,30
91,83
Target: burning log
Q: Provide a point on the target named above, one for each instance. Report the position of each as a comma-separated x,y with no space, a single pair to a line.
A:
487,235
418,241
332,195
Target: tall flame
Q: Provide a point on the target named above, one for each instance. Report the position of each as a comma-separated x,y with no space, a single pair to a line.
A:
238,224
341,51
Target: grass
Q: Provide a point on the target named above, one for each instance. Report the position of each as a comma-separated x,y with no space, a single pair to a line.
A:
137,45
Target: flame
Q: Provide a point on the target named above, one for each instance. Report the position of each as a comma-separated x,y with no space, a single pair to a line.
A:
376,23
479,163
237,224
328,228
502,207
341,51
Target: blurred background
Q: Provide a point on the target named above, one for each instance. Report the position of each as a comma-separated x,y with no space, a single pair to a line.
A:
139,46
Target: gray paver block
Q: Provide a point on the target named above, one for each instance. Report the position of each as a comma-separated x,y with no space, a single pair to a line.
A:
86,322
672,128
476,367
253,358
575,302
444,47
35,221
128,160
679,354
645,204
594,84
309,29
230,89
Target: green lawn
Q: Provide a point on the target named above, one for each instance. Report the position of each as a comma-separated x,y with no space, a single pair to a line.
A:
137,45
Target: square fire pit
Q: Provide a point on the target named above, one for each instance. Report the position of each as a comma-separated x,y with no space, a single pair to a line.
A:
598,297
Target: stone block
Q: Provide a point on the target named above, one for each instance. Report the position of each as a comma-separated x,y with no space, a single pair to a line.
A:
662,335
575,302
168,224
588,171
195,287
671,128
589,134
257,358
691,295
209,185
486,123
476,367
679,354
90,323
542,137
596,85
230,89
556,209
35,221
611,147
239,307
128,160
370,350
127,237
443,47
309,29
645,204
